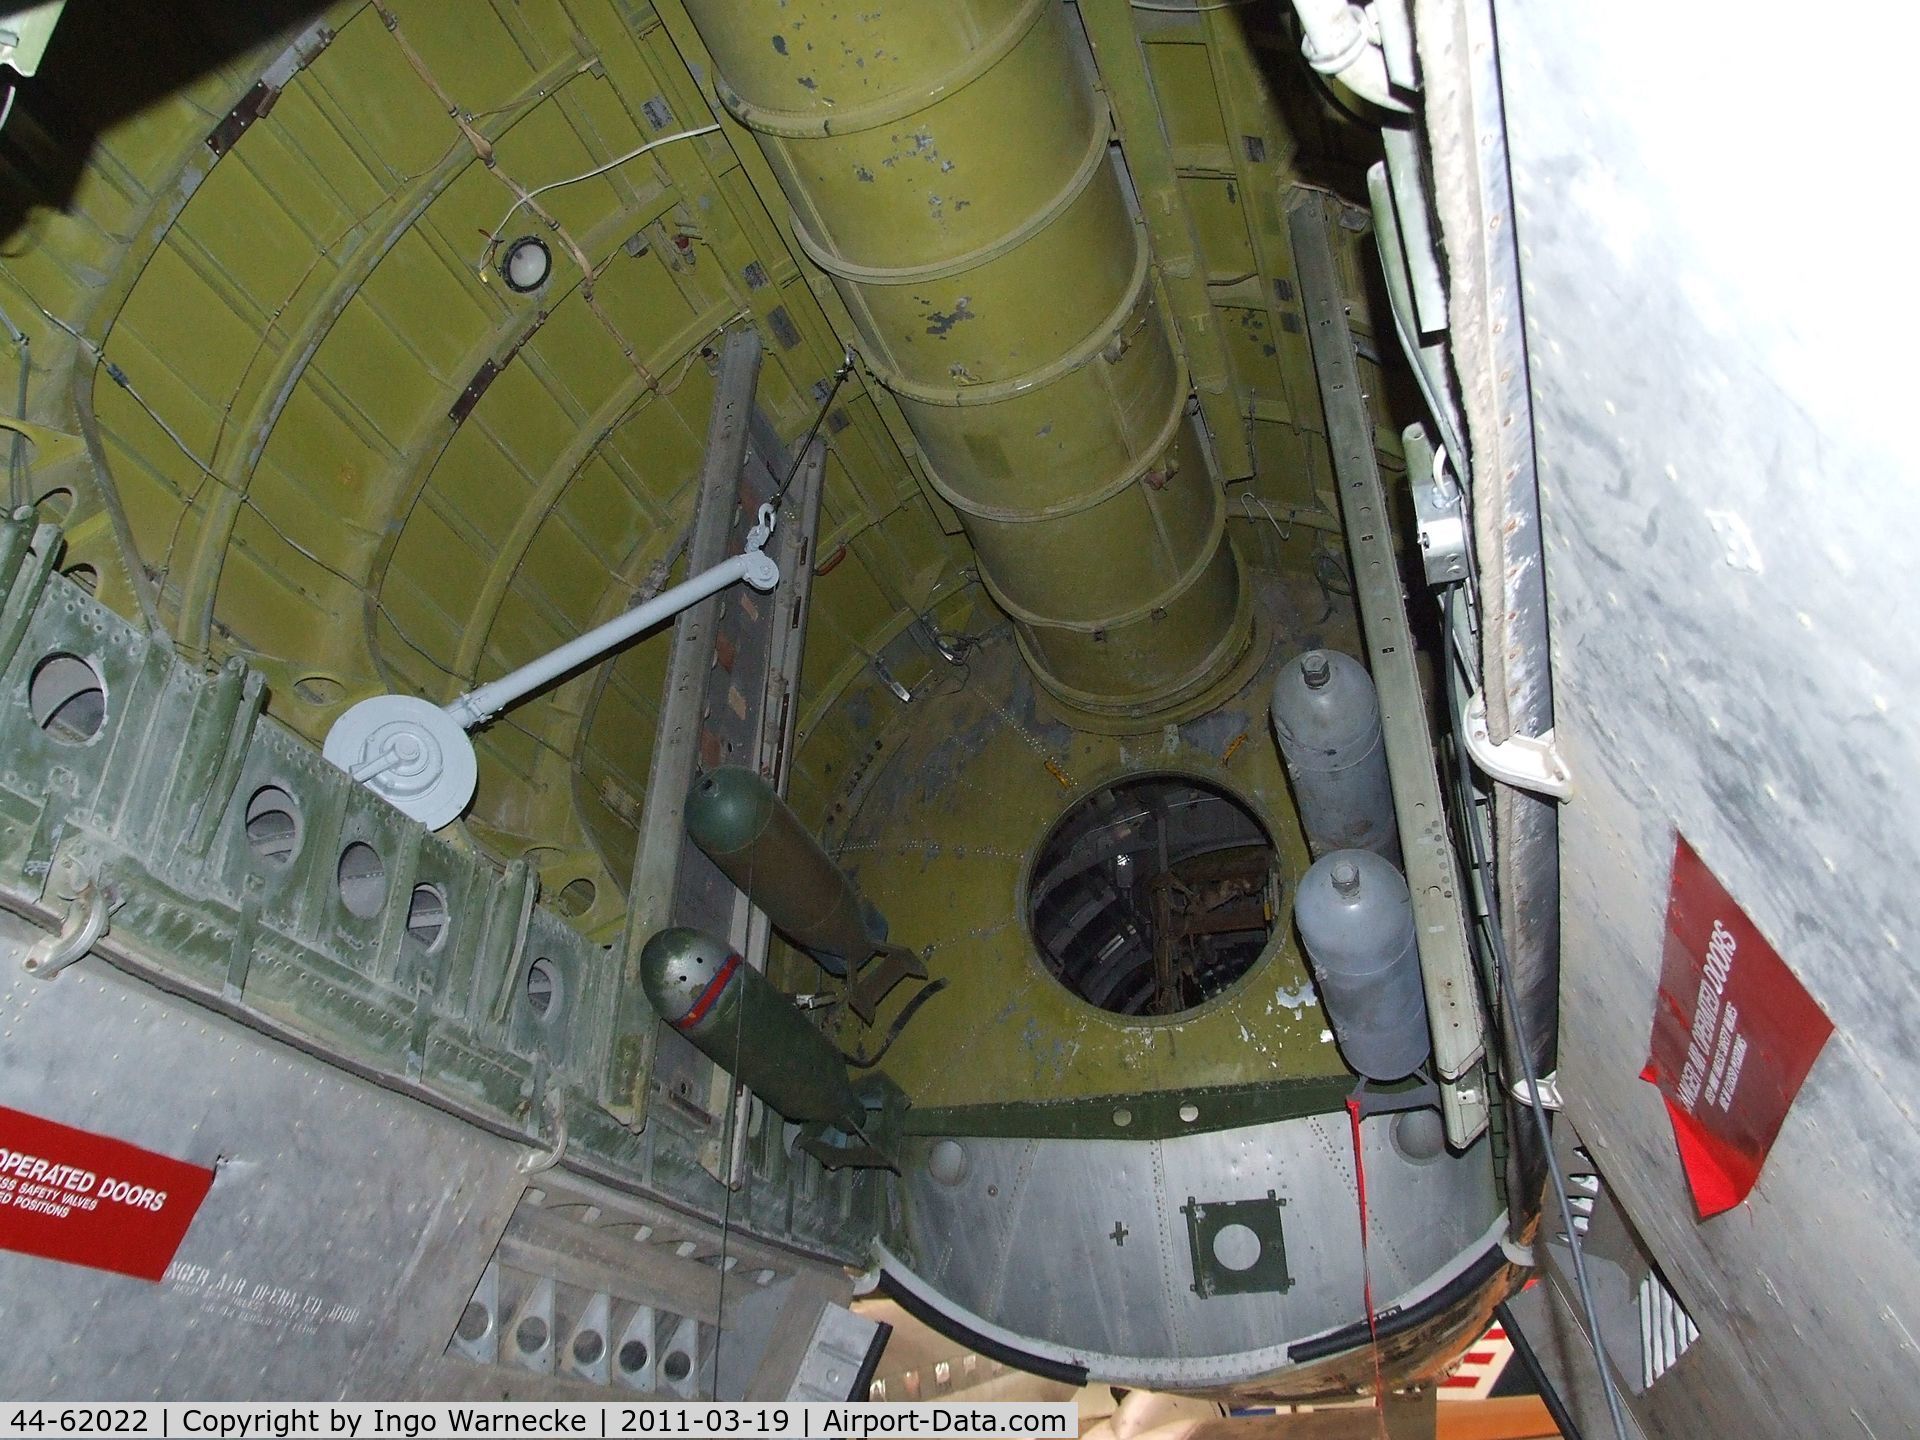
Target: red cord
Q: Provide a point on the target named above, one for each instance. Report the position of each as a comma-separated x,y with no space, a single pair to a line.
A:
1366,1268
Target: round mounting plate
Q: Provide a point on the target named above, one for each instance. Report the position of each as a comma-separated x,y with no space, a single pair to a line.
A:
425,762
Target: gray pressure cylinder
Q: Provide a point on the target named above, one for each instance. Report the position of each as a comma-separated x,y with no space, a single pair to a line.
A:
1356,921
1327,719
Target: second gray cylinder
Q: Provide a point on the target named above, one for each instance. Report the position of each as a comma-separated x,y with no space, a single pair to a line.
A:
1356,922
1326,717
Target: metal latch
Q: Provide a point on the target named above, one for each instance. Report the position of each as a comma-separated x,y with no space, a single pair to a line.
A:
1528,762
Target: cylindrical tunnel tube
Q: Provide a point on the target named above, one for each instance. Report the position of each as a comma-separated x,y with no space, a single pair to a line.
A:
747,830
738,1020
948,166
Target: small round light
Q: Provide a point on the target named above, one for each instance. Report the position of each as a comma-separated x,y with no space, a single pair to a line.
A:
526,264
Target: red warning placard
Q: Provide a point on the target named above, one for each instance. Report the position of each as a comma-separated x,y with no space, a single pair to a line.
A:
1734,1034
71,1195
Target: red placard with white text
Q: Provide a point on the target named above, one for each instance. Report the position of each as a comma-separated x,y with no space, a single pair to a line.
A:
88,1199
1734,1035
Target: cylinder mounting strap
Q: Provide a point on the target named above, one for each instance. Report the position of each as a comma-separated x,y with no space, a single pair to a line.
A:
831,261
1219,673
994,391
801,124
1203,557
1135,472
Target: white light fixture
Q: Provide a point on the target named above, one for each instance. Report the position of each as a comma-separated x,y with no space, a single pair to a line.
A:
526,264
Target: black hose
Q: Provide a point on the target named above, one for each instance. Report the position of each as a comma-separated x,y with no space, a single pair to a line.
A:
1392,1322
1075,1375
860,1060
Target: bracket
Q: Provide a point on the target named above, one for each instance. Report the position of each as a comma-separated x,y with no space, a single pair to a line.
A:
1527,762
870,1147
1424,1096
1439,509
901,692
50,446
1238,1247
867,986
85,924
1545,1094
536,1161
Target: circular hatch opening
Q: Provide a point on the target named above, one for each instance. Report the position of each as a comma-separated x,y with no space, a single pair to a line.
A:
1152,895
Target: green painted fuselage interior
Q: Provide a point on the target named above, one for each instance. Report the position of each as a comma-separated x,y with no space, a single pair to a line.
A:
322,434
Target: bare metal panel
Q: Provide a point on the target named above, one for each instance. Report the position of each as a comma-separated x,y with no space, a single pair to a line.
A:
342,1236
1124,1302
1723,432
1545,1320
627,1297
357,1243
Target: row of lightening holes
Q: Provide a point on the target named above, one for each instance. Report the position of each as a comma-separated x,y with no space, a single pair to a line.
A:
67,697
533,1334
273,834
